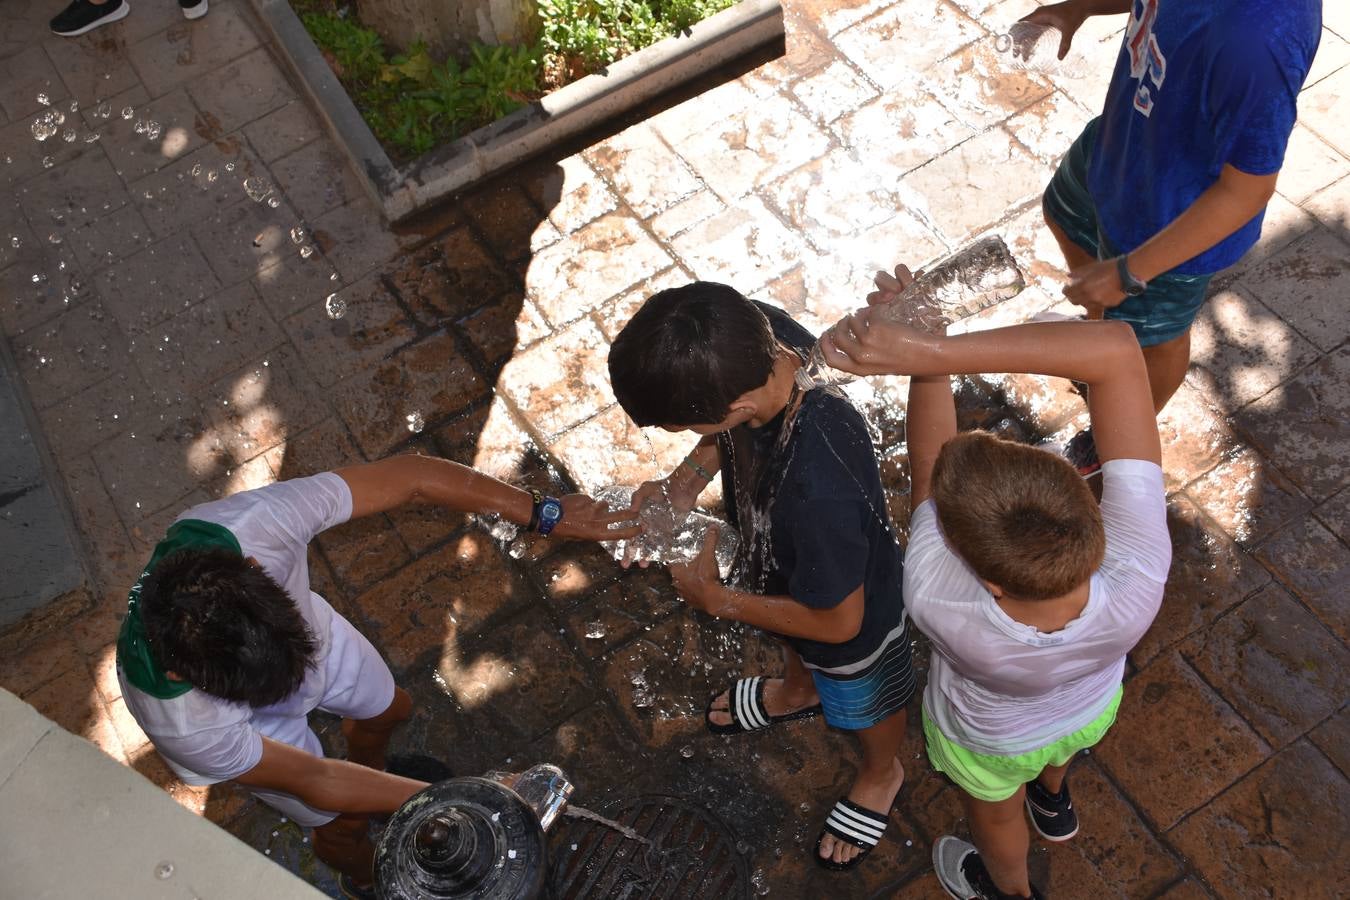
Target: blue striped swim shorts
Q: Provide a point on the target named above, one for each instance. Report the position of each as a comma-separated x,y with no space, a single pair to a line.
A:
875,688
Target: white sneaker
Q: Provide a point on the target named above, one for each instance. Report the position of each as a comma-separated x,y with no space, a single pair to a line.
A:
192,9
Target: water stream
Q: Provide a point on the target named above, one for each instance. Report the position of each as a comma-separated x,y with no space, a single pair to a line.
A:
581,812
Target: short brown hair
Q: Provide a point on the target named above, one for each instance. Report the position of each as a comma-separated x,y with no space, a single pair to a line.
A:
1020,517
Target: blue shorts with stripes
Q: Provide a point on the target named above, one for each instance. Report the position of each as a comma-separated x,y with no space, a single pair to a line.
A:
1169,305
880,687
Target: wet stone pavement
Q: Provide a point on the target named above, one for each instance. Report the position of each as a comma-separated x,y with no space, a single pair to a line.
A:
201,300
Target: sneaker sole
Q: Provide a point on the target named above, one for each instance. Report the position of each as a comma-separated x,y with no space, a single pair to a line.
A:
195,12
1051,838
99,23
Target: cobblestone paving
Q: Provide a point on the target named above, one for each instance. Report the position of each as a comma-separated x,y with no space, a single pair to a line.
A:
171,264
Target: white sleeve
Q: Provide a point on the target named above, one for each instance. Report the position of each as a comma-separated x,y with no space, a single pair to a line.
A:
933,571
294,511
1134,516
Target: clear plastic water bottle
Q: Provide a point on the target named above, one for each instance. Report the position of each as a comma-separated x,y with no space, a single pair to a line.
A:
958,287
1035,48
668,535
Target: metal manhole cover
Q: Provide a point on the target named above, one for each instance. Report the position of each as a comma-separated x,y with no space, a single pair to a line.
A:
692,856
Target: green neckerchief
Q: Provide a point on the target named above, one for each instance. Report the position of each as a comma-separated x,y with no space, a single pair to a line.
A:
133,650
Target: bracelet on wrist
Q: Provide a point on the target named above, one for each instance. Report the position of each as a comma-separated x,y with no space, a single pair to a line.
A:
702,472
537,499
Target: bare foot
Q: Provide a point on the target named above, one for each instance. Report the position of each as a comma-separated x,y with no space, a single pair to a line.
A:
777,701
874,792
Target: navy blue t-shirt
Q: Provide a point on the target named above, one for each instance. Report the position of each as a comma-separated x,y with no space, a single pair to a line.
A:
821,495
1198,85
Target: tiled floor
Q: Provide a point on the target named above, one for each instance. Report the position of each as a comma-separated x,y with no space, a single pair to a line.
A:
171,258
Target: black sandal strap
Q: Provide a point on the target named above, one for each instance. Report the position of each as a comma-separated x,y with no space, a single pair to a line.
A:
856,825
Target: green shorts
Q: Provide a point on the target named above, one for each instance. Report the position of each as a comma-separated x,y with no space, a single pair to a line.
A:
995,778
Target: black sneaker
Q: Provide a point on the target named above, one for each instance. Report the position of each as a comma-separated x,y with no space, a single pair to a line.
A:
962,874
192,9
1082,452
81,16
1052,814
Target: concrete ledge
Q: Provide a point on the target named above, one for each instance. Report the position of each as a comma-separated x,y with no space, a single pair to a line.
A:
76,823
635,79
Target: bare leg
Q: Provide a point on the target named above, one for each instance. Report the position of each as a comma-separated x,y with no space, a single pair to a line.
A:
1000,834
794,691
1167,364
1052,777
344,844
367,739
878,780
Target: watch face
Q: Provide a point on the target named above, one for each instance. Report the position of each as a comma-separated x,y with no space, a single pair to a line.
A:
550,510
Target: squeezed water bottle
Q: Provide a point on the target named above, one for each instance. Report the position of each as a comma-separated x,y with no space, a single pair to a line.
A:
1034,47
958,287
668,535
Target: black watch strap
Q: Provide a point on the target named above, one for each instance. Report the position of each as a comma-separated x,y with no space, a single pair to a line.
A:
538,499
1132,286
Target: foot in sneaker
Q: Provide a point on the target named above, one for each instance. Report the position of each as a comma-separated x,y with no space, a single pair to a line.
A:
962,874
81,16
1052,814
192,9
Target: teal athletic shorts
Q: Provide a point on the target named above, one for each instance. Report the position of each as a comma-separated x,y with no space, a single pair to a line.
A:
994,778
1168,307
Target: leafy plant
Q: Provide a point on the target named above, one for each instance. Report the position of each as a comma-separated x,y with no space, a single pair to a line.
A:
413,101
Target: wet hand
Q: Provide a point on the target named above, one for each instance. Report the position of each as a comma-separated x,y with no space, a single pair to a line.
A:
697,581
1096,285
890,287
591,520
873,342
1065,17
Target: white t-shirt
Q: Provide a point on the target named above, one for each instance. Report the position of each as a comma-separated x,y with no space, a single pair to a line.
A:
205,739
999,687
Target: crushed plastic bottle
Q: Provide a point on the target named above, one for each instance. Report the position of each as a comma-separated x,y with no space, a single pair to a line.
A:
1033,47
964,283
667,536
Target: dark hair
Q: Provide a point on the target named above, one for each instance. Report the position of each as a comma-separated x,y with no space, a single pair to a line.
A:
688,353
225,626
1020,517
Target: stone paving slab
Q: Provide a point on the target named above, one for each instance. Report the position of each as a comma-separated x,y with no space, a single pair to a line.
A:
887,133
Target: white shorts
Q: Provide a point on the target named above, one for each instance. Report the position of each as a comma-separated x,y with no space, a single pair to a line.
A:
356,684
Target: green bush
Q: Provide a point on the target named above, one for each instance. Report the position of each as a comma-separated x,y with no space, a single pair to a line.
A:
412,102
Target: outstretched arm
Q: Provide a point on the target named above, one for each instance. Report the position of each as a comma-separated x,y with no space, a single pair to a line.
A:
390,483
1105,355
334,784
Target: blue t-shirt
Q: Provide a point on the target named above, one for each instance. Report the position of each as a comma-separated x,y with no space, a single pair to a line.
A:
821,497
1198,85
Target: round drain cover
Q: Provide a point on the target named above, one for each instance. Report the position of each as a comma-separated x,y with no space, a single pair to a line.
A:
689,855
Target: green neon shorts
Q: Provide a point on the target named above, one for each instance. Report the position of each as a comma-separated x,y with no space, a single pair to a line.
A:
995,778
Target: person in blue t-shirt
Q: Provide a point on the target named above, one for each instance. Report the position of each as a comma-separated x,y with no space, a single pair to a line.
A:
1169,184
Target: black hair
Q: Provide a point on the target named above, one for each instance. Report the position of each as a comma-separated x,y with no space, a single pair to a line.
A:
688,353
222,624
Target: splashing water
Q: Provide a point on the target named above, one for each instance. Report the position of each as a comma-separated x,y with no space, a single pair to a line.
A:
581,812
48,162
103,110
415,422
15,242
257,188
273,202
595,630
128,112
44,99
298,234
69,135
47,124
335,306
306,252
668,535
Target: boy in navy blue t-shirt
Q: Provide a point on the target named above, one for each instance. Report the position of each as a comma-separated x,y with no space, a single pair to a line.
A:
819,565
1169,185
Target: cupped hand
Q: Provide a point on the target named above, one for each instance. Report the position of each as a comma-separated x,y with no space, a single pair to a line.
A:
873,342
587,519
1095,286
696,580
1066,18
